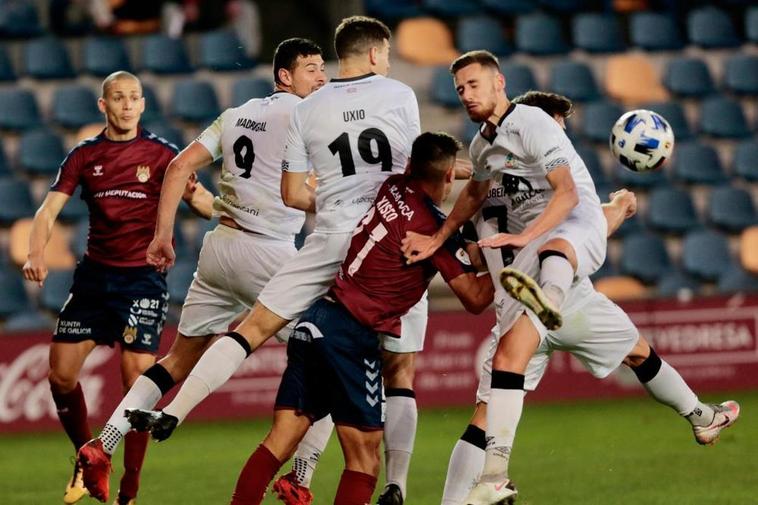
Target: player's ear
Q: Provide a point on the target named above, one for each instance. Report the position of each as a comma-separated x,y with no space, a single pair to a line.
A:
101,104
372,52
285,77
450,174
500,79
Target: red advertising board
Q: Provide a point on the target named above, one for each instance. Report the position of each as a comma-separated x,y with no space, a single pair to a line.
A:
712,342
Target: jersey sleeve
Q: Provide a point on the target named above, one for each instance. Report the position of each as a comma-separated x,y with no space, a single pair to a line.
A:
451,259
210,138
479,170
413,119
545,142
69,173
295,158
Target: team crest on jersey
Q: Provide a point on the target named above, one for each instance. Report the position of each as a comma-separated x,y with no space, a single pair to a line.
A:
130,334
143,173
510,161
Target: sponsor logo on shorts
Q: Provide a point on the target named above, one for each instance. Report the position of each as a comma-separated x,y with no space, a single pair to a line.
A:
72,328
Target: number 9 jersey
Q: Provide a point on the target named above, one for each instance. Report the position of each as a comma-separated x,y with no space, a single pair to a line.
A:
250,140
356,133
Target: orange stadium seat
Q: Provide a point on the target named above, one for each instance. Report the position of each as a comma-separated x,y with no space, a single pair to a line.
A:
90,130
426,41
631,79
621,288
749,249
58,256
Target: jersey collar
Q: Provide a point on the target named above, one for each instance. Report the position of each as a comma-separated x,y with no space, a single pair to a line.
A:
488,130
358,78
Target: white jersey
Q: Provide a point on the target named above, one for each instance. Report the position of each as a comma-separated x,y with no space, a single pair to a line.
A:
251,140
525,147
355,133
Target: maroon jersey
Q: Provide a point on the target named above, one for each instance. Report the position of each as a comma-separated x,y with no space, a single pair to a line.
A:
374,282
121,184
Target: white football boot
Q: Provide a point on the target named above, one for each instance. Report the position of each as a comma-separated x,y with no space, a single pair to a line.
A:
726,414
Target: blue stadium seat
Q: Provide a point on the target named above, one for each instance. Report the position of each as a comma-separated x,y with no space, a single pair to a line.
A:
179,280
5,170
574,80
75,106
443,89
731,209
79,239
675,284
737,280
540,35
591,160
518,79
710,27
153,110
688,77
195,101
751,23
606,270
17,200
18,109
469,128
597,33
14,299
644,256
509,7
705,254
673,113
452,8
564,6
28,320
481,32
654,31
626,177
741,74
697,163
598,118
75,209
6,68
671,210
745,161
55,290
19,20
47,58
167,131
163,55
41,152
222,51
630,226
105,55
721,116
392,10
253,87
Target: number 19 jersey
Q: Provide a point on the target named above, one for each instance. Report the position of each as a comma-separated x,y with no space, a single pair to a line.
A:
355,133
251,140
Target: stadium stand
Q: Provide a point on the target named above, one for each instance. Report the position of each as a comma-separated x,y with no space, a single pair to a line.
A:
75,209
749,249
688,77
58,255
195,101
741,74
247,88
153,107
17,200
509,7
654,31
699,249
710,27
731,209
425,41
645,257
671,210
632,79
19,20
482,32
598,118
222,51
7,73
751,24
697,163
736,280
675,282
392,10
4,168
105,55
574,80
620,288
14,299
165,55
597,33
41,152
674,114
721,116
443,89
55,290
179,279
744,162
452,8
18,109
167,131
540,35
518,79
74,106
47,58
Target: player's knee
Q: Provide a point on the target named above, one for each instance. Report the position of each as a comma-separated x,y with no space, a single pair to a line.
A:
62,381
398,370
558,246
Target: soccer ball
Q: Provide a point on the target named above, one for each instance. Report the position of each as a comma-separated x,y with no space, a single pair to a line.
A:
642,140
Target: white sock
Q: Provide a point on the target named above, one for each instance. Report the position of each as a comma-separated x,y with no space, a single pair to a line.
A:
217,364
310,449
144,394
399,435
503,415
556,276
669,388
466,462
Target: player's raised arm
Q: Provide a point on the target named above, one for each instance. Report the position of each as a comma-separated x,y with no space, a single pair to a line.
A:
42,226
622,206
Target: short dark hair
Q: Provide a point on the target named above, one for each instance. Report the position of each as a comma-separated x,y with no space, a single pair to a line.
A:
288,51
484,58
552,103
357,34
431,155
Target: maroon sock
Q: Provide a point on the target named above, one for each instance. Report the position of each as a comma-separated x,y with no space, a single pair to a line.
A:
255,476
72,411
355,488
135,446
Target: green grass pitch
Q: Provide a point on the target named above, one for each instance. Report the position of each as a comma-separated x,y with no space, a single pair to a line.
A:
602,452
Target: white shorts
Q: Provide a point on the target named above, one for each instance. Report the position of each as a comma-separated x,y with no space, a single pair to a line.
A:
586,230
233,268
412,329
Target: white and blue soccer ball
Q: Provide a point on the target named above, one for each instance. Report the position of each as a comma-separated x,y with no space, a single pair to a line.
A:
642,140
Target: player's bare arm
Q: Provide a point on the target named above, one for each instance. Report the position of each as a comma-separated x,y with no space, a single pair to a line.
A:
622,206
564,199
475,291
42,226
197,196
297,192
417,247
463,169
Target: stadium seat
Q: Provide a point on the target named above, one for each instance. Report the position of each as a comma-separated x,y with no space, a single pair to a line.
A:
626,177
630,226
74,106
677,284
564,6
749,249
17,200
195,101
620,288
222,51
57,256
425,41
153,110
509,7
673,112
741,74
688,77
41,152
19,20
644,256
721,116
751,24
452,8
167,131
55,291
481,32
179,279
737,280
443,89
597,33
4,167
540,35
75,209
671,210
731,209
697,163
18,109
6,67
654,31
470,128
28,320
47,58
598,118
574,80
591,160
14,299
710,27
632,79
247,88
105,55
79,239
518,79
705,254
163,55
392,10
88,131
745,161
606,270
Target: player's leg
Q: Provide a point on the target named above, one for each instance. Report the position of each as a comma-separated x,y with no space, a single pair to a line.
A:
467,458
362,460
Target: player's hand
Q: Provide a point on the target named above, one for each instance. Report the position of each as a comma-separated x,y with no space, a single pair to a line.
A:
160,254
35,270
499,240
417,247
628,201
463,169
